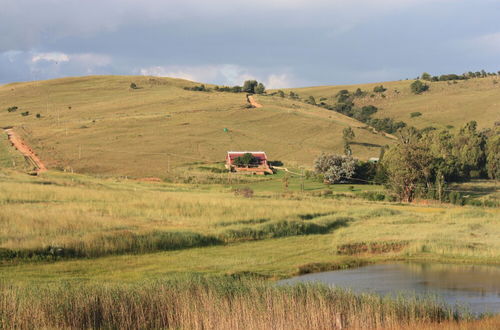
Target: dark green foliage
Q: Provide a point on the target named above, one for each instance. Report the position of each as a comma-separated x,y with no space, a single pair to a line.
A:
133,85
359,93
418,87
25,113
415,114
246,160
38,115
200,88
249,86
364,171
493,155
281,93
259,89
387,125
379,89
12,109
294,95
311,100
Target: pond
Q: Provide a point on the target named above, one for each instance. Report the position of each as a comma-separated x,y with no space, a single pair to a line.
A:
476,287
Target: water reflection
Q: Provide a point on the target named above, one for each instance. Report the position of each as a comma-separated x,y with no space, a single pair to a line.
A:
477,287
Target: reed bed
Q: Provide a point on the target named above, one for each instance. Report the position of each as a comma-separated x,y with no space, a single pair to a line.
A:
199,302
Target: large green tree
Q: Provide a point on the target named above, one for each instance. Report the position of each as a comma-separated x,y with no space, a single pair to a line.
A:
408,164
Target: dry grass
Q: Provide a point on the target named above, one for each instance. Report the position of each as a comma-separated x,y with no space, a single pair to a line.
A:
223,303
444,104
111,129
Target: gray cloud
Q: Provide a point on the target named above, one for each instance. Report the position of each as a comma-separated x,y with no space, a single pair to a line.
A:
279,41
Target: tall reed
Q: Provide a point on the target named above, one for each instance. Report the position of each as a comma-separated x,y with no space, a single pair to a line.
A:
204,303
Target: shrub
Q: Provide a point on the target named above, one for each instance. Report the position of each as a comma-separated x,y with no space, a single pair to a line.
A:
133,86
245,160
25,113
281,93
415,114
418,87
12,109
38,115
379,89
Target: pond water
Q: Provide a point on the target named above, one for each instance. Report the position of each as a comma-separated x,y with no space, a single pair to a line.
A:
477,287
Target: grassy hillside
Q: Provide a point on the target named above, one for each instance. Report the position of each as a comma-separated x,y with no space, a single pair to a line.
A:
446,103
100,125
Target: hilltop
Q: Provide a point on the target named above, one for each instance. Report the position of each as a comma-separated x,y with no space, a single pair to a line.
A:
99,125
447,104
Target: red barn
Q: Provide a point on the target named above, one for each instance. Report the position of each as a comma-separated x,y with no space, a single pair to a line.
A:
261,166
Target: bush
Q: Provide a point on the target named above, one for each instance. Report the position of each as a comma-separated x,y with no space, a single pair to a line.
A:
245,160
133,86
26,113
415,114
379,89
38,115
418,87
12,109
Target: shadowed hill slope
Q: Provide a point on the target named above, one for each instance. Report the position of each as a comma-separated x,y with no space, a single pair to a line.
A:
100,125
446,103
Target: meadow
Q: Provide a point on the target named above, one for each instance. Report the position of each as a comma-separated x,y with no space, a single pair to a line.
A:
98,241
98,125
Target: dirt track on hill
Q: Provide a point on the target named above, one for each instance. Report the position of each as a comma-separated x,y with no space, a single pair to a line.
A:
27,152
253,102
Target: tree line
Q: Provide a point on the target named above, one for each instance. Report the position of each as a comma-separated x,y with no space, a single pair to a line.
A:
422,162
249,86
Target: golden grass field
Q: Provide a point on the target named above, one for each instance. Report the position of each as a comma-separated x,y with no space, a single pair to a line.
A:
152,131
444,104
99,248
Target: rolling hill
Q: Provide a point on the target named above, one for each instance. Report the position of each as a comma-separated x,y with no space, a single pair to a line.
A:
99,125
446,103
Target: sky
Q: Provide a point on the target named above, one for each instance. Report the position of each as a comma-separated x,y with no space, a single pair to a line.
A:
283,43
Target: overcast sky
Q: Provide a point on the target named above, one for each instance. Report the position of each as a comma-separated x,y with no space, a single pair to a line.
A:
284,43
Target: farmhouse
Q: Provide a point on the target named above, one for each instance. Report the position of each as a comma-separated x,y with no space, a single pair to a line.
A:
241,161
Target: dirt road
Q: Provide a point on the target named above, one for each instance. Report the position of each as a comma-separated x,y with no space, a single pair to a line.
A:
27,152
253,102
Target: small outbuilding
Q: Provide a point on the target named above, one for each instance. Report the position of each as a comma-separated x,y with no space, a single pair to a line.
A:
251,162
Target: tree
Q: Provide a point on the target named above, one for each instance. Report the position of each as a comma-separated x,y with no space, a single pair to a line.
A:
408,165
245,160
249,86
379,89
418,87
426,76
335,167
493,156
260,88
347,136
311,100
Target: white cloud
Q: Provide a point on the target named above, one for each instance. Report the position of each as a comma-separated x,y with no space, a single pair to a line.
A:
225,74
280,81
50,57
